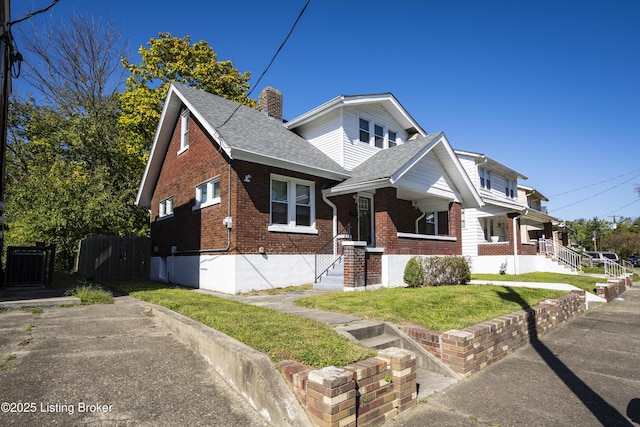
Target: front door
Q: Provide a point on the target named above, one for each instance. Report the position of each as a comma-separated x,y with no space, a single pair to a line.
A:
365,220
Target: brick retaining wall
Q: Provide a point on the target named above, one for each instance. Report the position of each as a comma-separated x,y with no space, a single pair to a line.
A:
479,346
366,393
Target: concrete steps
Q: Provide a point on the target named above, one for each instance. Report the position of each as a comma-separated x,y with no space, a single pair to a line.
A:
432,374
333,279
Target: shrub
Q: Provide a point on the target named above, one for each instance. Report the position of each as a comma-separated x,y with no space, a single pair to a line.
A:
442,271
413,273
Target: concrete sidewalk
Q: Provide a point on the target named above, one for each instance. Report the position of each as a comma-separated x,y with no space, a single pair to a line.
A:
108,365
586,373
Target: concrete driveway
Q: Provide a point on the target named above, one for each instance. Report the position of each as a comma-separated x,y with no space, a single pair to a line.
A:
107,365
586,373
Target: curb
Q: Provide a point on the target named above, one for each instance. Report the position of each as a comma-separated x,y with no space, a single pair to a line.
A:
40,302
249,372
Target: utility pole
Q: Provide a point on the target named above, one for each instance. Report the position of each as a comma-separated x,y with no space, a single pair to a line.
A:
6,48
595,241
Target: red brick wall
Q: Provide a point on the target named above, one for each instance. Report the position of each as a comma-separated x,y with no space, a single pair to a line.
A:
249,204
481,345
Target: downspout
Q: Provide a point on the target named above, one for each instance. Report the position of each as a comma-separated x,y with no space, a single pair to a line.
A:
515,240
419,218
334,208
227,222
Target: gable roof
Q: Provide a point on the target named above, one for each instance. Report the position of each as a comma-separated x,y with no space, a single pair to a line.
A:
241,132
483,159
387,100
387,167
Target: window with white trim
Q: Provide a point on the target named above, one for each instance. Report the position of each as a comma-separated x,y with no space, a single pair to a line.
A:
166,207
510,189
378,136
292,205
485,178
207,193
184,131
392,138
437,223
365,134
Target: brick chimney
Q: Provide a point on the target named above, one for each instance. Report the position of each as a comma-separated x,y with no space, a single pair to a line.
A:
271,102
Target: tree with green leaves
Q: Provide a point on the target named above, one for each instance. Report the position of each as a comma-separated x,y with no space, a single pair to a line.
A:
69,174
171,59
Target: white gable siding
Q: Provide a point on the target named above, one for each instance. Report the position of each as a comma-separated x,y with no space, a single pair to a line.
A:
356,152
471,169
429,176
326,134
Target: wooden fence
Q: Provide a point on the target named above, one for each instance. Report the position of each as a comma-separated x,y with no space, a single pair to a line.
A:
114,258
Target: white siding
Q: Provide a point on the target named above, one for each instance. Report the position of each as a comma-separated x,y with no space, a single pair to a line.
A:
326,134
355,151
428,176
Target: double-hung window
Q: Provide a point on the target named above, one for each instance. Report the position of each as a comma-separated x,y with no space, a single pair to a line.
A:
207,193
365,133
485,178
184,131
166,208
378,136
509,189
292,205
392,138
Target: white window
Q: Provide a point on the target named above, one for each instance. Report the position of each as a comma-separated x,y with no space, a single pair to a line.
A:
365,134
207,193
166,208
510,189
485,178
378,136
392,138
184,131
292,205
437,223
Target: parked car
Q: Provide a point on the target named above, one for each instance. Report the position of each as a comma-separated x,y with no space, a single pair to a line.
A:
634,260
598,258
610,255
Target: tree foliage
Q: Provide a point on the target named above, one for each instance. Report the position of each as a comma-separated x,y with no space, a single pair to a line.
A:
68,174
165,60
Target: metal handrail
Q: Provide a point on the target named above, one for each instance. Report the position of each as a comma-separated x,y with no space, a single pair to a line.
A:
324,261
560,253
613,269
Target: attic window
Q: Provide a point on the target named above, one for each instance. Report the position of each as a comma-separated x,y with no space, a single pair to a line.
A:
392,139
184,131
485,178
365,135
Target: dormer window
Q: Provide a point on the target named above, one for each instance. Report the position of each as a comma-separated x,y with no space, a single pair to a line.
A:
485,178
184,131
392,139
510,187
365,135
378,136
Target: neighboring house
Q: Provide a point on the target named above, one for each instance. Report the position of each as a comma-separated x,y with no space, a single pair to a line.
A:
243,201
503,233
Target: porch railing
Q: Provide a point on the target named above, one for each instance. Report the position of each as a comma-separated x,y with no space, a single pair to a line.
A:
324,261
560,253
613,270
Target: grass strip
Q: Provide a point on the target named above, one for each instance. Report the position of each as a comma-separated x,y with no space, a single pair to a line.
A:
586,283
436,308
279,335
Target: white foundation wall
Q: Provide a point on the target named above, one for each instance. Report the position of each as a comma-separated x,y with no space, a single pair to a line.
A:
233,274
393,270
526,264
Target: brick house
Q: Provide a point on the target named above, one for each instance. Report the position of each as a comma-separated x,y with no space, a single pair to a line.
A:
241,200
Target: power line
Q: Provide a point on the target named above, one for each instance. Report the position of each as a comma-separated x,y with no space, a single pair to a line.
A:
593,185
273,58
622,207
595,195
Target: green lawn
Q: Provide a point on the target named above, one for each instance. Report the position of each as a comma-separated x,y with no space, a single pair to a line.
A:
436,308
280,336
587,283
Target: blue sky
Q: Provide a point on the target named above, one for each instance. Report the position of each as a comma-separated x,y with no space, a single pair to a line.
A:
548,88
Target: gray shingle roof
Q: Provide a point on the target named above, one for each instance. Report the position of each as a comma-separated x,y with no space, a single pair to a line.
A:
386,163
251,131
